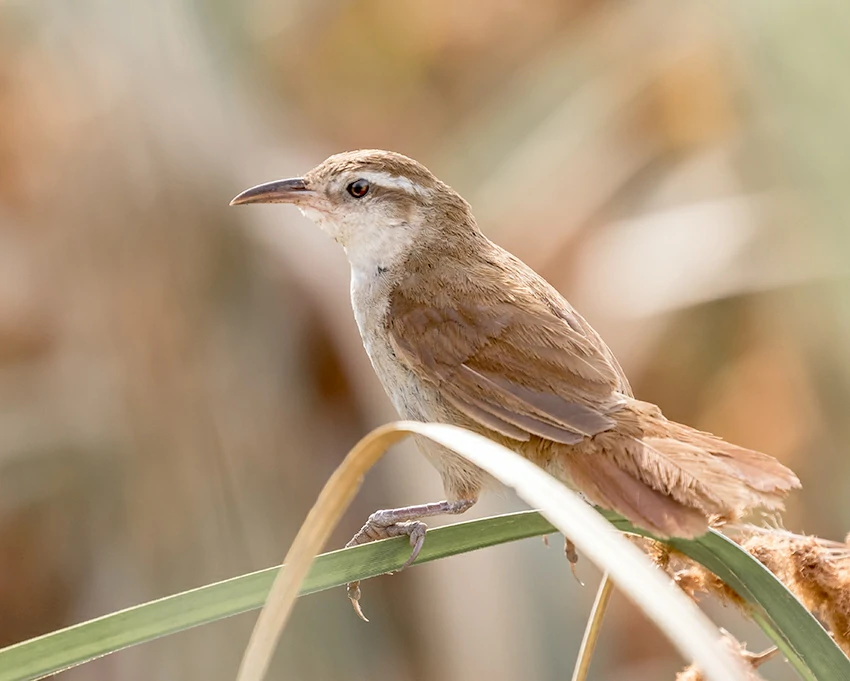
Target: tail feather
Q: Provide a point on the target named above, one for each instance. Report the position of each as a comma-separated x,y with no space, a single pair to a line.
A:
609,486
669,478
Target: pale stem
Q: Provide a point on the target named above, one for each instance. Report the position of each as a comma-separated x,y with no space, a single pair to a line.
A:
594,626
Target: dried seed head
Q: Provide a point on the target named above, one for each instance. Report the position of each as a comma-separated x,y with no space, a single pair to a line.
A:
815,570
751,660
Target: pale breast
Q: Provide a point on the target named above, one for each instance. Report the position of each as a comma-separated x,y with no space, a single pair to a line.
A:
370,302
411,398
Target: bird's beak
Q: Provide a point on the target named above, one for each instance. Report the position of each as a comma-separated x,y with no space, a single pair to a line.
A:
280,191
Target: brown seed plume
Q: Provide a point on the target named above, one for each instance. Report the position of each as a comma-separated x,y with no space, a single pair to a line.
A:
815,570
752,661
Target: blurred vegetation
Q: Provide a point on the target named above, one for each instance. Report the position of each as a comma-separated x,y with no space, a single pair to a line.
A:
177,379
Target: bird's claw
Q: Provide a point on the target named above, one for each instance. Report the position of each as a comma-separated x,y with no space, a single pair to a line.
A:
354,597
374,530
572,556
416,531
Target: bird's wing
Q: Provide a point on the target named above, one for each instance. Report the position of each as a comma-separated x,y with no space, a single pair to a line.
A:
522,364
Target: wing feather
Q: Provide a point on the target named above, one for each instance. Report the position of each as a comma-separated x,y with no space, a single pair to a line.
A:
524,364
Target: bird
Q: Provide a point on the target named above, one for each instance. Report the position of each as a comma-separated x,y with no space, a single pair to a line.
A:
460,331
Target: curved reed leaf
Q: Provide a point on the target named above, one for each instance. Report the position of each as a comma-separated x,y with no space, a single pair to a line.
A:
677,616
800,637
778,613
80,643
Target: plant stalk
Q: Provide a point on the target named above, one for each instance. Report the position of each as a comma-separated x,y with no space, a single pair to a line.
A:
594,626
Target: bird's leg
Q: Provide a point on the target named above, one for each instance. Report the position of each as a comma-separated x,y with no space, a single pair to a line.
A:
396,522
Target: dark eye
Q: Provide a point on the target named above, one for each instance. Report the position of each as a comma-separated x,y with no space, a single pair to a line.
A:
358,189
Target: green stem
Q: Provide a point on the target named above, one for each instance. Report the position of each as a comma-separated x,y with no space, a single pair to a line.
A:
799,636
80,643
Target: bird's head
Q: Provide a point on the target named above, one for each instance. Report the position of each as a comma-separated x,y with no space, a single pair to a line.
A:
371,202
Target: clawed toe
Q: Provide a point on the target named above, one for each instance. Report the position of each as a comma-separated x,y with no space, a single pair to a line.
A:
373,531
399,522
417,532
572,556
354,596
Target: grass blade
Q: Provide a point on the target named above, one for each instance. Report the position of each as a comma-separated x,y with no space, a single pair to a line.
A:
678,617
800,637
779,614
87,641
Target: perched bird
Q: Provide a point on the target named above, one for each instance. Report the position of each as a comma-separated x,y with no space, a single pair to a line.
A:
460,331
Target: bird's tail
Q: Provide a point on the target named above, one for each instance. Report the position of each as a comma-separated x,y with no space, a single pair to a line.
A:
670,479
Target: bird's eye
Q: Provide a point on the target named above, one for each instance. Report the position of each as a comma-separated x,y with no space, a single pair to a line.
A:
358,189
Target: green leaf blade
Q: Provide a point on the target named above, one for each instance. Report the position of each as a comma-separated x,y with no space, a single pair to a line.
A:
801,638
71,646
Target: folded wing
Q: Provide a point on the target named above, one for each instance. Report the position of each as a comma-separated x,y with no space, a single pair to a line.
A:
518,365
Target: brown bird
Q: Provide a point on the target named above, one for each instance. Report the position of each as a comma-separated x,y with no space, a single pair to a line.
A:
460,331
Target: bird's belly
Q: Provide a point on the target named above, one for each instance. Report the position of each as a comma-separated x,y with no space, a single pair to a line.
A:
411,398
418,401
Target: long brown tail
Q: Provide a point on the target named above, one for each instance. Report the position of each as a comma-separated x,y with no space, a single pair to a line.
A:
669,478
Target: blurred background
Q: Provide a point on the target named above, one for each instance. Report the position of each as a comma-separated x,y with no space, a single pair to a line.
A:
178,378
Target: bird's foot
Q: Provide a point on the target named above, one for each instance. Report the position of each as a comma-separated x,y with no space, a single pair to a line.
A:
372,531
398,522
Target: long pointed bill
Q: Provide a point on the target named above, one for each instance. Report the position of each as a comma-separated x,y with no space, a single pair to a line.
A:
280,191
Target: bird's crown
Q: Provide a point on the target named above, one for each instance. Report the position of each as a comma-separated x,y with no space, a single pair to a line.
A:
385,168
